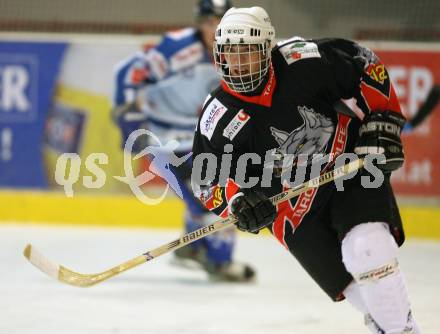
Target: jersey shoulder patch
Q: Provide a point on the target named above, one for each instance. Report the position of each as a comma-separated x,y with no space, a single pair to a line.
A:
296,50
211,116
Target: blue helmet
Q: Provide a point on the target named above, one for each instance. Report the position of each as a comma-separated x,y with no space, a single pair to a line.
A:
212,8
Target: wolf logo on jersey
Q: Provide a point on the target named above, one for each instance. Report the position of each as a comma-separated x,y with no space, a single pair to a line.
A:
310,138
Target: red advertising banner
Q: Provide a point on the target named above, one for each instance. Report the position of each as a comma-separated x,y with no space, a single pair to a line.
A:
413,74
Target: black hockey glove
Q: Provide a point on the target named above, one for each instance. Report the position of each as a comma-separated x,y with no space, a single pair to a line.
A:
253,210
380,134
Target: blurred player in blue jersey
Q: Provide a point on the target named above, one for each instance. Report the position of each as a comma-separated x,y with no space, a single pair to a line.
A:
163,89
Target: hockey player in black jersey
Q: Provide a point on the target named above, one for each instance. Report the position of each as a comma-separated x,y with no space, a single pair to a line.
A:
281,99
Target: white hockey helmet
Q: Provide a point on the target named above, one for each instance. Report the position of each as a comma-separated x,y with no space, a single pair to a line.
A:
242,48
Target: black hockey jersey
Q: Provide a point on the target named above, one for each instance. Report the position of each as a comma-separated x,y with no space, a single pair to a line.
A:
293,113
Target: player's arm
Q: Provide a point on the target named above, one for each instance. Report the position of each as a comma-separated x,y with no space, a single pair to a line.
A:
130,76
384,121
252,207
146,67
359,73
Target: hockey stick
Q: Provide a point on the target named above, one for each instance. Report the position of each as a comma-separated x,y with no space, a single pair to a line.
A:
68,276
426,108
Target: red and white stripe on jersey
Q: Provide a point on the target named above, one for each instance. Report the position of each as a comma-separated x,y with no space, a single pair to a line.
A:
377,100
219,197
377,90
294,215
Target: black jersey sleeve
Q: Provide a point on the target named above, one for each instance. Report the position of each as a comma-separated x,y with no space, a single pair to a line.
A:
337,69
343,73
210,183
357,72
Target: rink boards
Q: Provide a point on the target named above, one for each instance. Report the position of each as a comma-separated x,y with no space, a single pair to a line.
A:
84,109
421,221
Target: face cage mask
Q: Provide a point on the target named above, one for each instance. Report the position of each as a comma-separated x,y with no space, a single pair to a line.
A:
243,67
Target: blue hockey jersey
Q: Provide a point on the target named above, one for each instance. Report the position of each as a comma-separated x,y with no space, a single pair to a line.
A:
170,82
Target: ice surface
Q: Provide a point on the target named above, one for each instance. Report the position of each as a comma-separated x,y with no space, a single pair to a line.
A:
158,298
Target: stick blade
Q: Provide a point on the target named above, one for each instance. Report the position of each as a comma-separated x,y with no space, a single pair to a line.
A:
67,276
56,271
41,262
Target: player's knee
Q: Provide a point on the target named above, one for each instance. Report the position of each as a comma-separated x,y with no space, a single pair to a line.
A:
368,247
